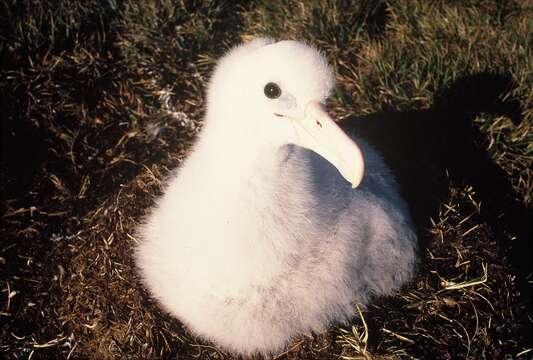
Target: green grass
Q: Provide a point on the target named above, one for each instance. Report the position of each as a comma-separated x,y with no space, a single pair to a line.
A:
101,99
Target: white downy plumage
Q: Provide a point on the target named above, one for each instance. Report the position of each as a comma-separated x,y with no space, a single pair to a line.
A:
270,229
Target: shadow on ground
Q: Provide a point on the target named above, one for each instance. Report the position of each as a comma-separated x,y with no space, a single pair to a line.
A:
444,147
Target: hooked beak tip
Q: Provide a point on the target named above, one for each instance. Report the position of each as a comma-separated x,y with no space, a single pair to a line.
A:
330,141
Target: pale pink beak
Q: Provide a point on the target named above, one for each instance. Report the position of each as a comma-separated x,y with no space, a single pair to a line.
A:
322,135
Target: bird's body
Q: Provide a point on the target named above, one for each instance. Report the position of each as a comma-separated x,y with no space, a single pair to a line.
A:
256,241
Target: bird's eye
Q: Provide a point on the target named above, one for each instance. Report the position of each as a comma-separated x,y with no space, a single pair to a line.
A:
272,90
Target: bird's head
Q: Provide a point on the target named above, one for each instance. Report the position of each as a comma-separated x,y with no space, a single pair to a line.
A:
272,92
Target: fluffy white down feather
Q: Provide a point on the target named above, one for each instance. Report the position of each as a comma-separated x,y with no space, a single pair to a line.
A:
257,239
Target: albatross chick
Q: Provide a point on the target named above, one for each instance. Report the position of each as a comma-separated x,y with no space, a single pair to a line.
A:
278,222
